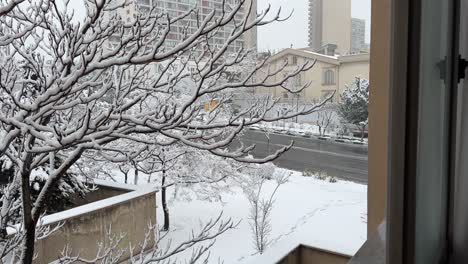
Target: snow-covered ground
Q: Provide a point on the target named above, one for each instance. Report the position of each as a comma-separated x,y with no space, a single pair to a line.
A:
309,211
288,127
302,129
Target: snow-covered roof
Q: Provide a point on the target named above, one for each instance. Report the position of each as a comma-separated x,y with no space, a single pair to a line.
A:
307,54
354,58
320,54
336,60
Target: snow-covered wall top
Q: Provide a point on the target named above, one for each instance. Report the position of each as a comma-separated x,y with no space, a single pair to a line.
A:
116,185
283,248
133,193
98,205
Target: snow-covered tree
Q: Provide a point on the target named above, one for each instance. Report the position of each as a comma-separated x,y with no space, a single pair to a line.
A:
72,87
325,117
354,104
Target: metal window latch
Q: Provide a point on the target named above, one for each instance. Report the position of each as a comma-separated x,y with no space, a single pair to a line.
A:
462,65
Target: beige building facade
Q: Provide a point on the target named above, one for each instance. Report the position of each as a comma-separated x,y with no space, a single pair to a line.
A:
330,23
329,74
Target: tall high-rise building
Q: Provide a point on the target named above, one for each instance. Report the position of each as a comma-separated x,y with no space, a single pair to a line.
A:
330,23
358,35
176,8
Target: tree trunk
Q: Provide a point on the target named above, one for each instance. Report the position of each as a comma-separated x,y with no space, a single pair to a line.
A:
31,214
363,128
135,179
164,203
268,145
29,224
28,242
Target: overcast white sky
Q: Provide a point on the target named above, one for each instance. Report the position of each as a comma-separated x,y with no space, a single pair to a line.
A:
294,31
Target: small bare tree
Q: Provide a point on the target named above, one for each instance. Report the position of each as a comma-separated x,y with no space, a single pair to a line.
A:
261,204
325,118
71,87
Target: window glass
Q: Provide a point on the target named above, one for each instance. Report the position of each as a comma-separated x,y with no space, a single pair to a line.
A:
432,163
329,77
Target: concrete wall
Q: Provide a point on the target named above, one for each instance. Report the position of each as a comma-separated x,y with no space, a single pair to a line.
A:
85,226
310,255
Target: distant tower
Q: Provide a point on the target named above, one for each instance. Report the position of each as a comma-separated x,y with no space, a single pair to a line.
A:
251,36
330,23
358,35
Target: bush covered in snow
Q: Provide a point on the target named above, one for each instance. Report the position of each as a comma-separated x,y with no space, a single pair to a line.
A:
354,104
308,173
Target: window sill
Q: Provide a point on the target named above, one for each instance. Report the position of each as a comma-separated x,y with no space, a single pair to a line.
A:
373,250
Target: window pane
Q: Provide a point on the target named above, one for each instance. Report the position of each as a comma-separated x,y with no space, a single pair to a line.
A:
432,170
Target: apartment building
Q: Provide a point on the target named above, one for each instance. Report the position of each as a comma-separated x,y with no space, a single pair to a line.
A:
330,23
358,35
188,25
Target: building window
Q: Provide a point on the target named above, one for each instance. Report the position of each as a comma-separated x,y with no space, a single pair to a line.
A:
294,60
329,77
297,80
145,2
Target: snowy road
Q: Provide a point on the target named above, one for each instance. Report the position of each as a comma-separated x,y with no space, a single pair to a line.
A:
344,161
